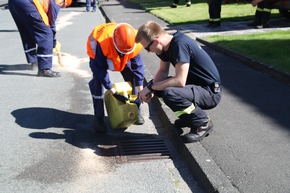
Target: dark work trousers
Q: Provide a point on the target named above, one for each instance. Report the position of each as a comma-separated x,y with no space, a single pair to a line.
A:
177,1
214,9
263,12
181,98
37,38
97,89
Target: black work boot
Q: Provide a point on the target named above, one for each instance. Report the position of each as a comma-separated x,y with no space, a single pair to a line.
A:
265,20
173,5
258,19
99,125
48,73
178,125
197,134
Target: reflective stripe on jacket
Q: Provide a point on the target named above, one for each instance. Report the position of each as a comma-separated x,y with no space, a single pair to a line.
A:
102,34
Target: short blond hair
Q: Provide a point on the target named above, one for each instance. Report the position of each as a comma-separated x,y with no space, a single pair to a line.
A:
148,31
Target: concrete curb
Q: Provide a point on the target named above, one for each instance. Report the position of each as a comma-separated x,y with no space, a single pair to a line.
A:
211,178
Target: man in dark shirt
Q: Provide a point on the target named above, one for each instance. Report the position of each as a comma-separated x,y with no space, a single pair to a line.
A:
196,85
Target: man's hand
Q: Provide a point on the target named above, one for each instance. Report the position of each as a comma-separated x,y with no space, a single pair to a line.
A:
137,102
120,97
145,95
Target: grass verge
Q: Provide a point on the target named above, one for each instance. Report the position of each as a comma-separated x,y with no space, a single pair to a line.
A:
270,48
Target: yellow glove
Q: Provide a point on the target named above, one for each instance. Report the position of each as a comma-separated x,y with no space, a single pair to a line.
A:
56,49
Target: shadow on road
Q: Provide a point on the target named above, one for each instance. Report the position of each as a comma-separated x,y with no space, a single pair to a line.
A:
75,129
7,69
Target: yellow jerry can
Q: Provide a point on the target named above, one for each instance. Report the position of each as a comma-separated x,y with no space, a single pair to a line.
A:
121,115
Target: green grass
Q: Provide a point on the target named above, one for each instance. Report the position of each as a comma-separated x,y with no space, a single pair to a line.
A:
270,48
198,12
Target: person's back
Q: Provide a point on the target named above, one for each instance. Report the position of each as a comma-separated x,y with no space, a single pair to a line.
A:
202,70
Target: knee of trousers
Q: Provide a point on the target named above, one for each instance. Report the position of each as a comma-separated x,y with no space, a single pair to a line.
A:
169,96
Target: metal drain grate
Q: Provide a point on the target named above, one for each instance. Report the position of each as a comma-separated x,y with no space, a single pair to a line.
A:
143,149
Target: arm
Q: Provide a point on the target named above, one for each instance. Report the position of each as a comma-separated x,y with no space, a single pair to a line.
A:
179,80
137,67
99,67
161,80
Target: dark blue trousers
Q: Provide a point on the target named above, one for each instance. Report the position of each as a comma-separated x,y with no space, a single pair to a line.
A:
97,89
37,38
199,98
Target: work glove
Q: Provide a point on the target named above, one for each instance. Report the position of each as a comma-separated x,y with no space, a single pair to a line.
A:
56,48
120,97
137,102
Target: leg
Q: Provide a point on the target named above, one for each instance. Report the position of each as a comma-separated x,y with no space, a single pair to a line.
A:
258,15
184,102
97,90
188,104
36,33
94,5
215,13
266,14
210,12
174,3
28,43
88,5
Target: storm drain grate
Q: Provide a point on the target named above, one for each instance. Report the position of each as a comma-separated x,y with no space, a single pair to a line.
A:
143,149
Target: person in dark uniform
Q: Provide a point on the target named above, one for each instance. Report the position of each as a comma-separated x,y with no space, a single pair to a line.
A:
214,10
263,13
175,3
196,85
35,20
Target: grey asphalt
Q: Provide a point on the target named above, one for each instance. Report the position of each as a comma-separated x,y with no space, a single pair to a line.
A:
47,141
249,148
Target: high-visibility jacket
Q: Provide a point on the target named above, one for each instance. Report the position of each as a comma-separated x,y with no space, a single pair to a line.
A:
102,34
44,6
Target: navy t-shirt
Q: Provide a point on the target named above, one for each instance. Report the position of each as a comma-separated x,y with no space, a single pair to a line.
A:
202,70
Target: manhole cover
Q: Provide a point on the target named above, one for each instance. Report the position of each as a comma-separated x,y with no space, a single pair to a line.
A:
143,149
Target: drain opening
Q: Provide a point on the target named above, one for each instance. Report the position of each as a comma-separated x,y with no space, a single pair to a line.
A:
143,149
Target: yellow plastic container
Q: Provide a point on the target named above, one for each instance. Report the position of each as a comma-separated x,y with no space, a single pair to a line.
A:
121,115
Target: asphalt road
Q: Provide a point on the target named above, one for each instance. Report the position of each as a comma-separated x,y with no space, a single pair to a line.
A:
47,143
249,148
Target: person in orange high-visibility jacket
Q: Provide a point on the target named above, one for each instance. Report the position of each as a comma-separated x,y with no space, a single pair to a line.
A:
35,20
112,46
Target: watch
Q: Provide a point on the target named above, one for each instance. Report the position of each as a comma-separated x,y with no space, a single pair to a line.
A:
149,85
